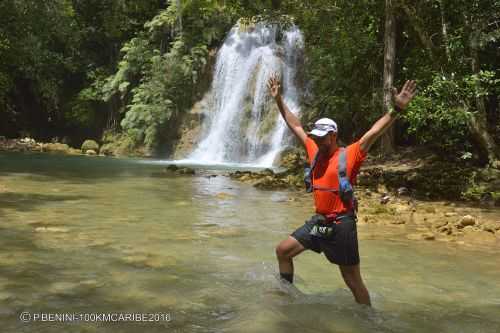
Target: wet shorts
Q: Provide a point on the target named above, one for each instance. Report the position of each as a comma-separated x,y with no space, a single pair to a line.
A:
340,249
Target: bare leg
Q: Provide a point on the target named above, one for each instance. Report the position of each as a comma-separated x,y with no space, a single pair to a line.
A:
352,277
285,251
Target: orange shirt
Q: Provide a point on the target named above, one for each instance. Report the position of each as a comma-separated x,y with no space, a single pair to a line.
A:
325,175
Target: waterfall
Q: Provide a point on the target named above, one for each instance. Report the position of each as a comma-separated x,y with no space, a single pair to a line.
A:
242,124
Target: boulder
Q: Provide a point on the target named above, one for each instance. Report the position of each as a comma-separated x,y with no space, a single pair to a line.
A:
90,145
90,152
467,220
55,147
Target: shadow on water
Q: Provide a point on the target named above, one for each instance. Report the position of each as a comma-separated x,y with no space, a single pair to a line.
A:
73,169
30,201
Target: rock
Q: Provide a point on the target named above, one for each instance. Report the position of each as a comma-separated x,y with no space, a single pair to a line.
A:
186,171
73,151
246,178
90,145
477,236
496,164
382,189
402,191
398,221
467,220
491,227
90,152
428,236
55,147
451,214
385,199
267,172
172,167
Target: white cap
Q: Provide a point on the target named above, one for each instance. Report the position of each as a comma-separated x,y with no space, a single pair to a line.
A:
323,126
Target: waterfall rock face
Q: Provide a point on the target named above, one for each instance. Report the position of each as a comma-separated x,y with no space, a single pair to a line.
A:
242,124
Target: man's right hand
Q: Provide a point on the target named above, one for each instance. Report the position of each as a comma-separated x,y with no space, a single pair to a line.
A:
274,86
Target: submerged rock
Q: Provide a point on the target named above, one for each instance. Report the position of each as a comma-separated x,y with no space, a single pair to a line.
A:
172,168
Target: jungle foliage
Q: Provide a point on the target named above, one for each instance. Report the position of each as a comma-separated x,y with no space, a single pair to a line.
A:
77,68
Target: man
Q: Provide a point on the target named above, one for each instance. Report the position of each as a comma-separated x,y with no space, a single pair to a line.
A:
341,245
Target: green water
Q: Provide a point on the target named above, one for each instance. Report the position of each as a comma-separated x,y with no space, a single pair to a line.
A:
99,235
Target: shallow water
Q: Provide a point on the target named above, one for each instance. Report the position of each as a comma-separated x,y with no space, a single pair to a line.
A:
102,235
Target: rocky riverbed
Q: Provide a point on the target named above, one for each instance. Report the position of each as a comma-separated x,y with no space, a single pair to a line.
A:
407,194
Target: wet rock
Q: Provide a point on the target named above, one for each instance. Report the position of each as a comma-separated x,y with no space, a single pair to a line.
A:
172,168
490,227
73,151
402,191
467,220
475,236
90,145
440,224
267,172
90,152
186,171
382,189
385,199
398,221
55,147
428,236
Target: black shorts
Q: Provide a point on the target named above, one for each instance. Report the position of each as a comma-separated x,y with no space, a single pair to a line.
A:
340,249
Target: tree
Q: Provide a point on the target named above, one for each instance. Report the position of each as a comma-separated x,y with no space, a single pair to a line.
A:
387,140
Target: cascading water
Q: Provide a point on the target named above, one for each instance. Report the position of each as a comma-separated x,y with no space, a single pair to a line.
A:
241,127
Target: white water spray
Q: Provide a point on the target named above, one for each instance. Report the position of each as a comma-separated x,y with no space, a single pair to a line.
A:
242,127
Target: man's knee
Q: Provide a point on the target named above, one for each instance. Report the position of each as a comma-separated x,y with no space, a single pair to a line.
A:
288,249
283,251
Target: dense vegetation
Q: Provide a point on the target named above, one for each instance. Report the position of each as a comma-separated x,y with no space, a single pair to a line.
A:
128,70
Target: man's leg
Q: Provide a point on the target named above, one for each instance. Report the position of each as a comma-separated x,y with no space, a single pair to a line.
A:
352,277
285,251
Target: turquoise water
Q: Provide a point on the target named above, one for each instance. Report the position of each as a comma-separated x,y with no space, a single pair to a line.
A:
99,235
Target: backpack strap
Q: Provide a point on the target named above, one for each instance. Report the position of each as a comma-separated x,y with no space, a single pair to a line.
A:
315,160
342,164
342,173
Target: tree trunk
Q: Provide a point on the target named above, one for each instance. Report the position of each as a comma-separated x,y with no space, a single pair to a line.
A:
444,30
418,25
478,123
387,140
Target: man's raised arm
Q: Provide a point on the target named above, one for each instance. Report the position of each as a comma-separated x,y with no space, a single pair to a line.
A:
291,120
401,101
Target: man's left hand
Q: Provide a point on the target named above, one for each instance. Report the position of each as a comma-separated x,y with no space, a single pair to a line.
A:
404,97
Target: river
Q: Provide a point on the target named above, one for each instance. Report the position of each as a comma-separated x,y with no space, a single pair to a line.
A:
83,235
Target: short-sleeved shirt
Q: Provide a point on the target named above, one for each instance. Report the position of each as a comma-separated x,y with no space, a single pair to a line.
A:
325,176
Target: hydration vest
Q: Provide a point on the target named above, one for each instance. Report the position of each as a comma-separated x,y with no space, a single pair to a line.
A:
345,189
